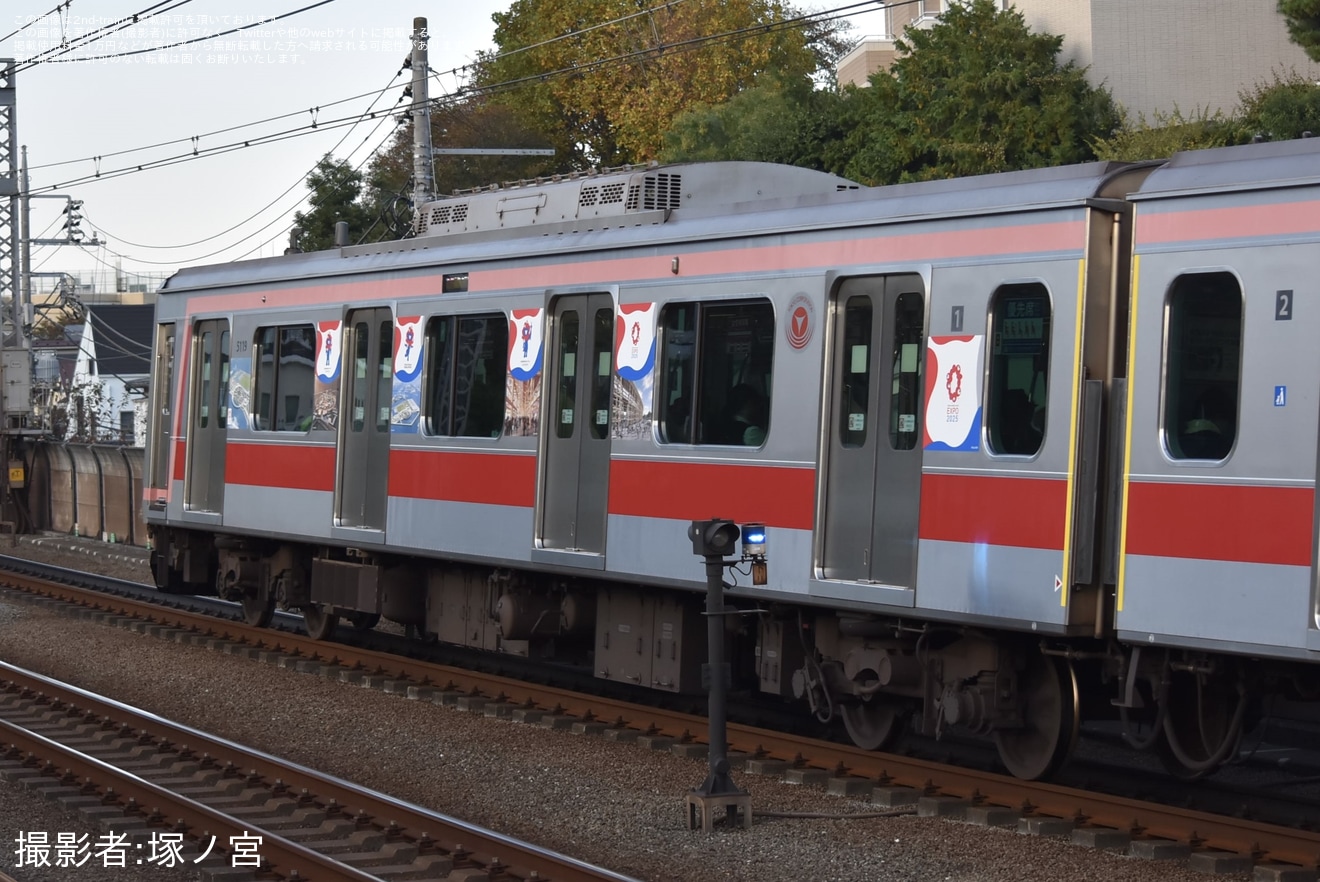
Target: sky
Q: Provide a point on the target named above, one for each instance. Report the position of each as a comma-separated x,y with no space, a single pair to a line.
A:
94,115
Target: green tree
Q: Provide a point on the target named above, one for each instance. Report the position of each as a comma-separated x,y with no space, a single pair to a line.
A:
978,92
335,187
1168,134
603,80
790,123
471,123
1303,20
1282,109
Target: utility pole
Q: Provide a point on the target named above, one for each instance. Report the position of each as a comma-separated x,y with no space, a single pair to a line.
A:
15,356
423,173
420,113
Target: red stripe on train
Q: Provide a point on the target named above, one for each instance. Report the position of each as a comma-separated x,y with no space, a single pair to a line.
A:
487,478
1017,239
1243,222
1269,525
283,466
687,491
1016,511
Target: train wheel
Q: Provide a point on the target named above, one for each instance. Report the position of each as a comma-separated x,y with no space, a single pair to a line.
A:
258,608
1202,725
1047,689
873,724
364,621
319,620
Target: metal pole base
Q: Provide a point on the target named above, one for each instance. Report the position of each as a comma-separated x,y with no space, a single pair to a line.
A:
736,805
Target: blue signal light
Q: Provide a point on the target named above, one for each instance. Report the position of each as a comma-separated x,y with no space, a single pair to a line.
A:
753,540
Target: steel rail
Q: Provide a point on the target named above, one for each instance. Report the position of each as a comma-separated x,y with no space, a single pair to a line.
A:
477,845
1263,842
194,819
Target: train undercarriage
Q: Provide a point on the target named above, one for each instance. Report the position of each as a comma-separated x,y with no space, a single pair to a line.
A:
878,677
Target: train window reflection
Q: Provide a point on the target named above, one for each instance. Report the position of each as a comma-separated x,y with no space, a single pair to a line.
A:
283,378
465,377
715,381
1016,397
1203,366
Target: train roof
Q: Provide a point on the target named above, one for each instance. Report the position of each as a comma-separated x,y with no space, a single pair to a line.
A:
1268,166
683,202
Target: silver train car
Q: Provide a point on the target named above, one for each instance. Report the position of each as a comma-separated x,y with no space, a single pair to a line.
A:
1029,448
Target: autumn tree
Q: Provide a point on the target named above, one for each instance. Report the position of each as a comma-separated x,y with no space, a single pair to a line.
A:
602,80
335,189
1303,20
978,92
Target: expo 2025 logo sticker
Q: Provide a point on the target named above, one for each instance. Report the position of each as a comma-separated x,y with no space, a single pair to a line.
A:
801,321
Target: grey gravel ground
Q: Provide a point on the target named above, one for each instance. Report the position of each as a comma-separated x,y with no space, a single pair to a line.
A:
613,804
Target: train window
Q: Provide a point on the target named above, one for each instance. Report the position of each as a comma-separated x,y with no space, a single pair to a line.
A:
465,378
283,378
362,348
565,406
222,411
208,356
715,383
905,396
1203,365
854,415
384,375
161,421
602,380
1019,368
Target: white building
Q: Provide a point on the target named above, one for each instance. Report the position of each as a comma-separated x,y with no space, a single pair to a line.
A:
1153,57
108,394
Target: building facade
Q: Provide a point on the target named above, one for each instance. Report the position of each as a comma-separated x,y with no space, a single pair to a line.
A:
1152,57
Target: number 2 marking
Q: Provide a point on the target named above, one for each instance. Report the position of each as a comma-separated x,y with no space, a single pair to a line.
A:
1283,306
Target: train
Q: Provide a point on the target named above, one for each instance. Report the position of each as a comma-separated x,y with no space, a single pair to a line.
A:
1028,449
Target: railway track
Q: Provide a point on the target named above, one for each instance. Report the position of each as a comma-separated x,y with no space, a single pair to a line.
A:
241,807
1208,841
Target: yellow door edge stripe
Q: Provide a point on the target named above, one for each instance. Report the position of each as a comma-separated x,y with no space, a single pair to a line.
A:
1072,436
1127,434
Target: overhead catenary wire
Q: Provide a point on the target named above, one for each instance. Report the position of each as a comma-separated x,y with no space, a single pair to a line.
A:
461,95
260,211
35,19
67,45
688,45
127,340
131,52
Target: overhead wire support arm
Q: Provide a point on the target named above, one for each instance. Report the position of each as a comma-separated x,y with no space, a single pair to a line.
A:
495,151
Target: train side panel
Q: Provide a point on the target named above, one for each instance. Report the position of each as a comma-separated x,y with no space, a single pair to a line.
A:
1219,524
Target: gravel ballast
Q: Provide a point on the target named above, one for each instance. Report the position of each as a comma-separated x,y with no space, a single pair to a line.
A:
613,804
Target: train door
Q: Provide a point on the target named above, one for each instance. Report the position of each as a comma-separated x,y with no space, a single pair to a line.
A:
365,435
161,419
577,448
208,417
873,477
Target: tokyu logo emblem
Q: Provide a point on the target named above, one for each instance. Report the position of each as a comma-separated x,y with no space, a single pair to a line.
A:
801,321
953,382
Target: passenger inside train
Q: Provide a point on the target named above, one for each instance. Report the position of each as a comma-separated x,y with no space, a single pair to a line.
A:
747,426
